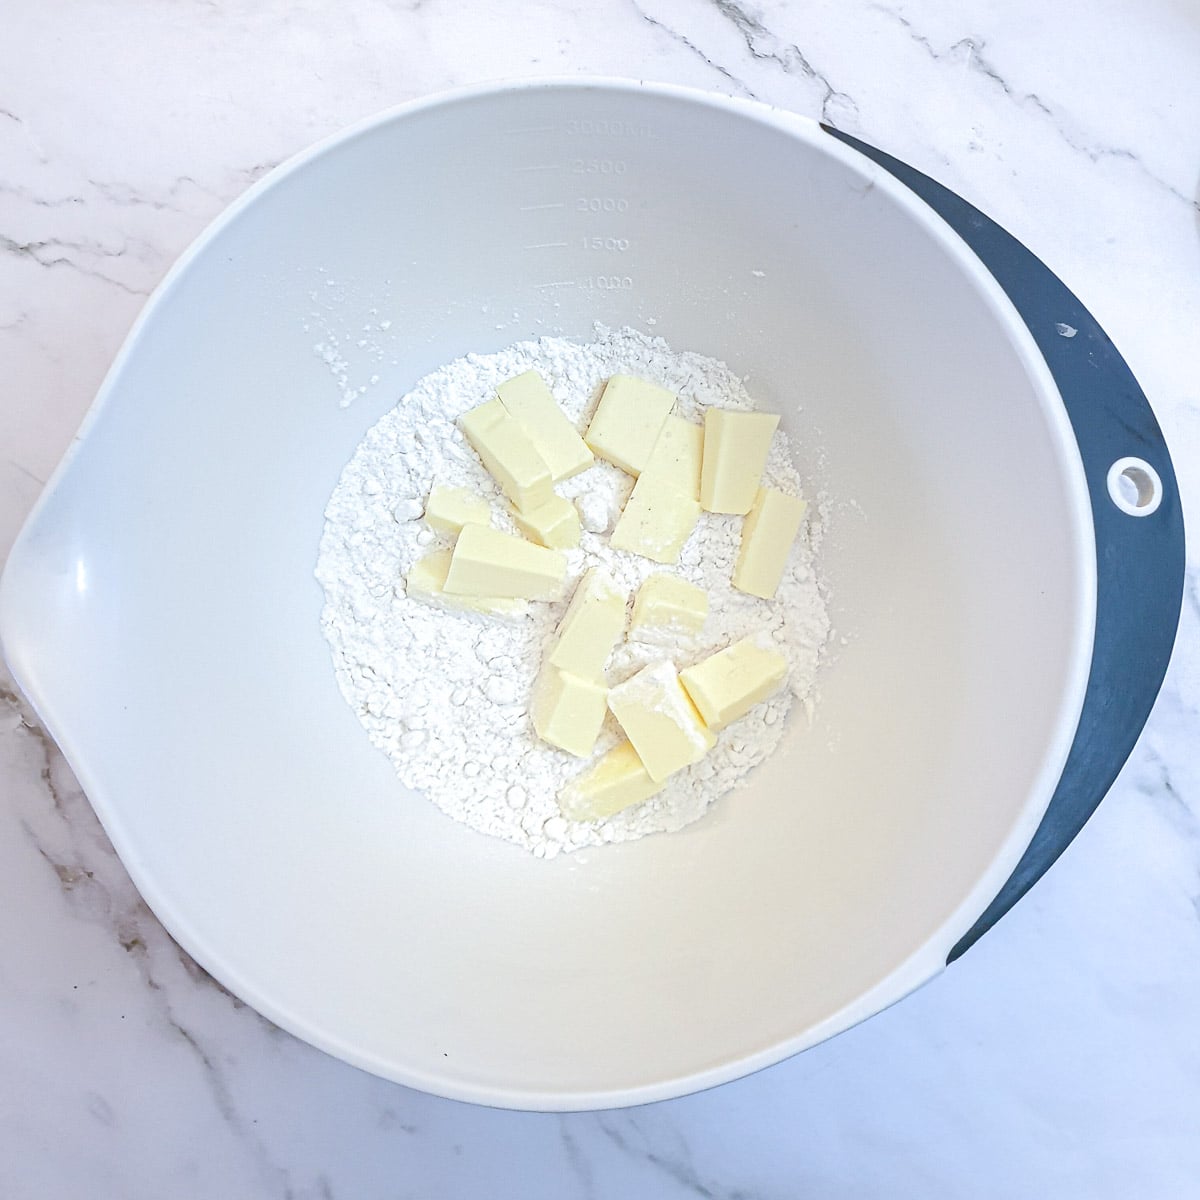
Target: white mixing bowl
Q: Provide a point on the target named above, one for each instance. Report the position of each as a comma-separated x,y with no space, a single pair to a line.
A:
160,608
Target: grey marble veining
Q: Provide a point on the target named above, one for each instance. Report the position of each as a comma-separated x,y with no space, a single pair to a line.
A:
1060,1057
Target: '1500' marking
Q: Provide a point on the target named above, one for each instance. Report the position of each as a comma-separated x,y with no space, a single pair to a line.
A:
606,243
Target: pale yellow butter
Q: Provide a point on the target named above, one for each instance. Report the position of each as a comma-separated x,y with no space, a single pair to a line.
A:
508,453
728,684
659,719
664,506
767,536
448,509
628,420
735,452
591,626
568,711
554,523
617,781
655,522
486,562
677,457
426,581
667,605
531,404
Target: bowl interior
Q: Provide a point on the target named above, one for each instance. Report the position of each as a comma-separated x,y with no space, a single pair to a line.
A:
161,610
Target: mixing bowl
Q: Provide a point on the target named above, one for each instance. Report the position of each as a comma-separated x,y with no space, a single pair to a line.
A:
160,609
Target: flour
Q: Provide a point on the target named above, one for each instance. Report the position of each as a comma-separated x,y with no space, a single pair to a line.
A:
445,693
337,344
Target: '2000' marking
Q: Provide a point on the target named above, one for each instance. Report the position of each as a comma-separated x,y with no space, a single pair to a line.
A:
602,204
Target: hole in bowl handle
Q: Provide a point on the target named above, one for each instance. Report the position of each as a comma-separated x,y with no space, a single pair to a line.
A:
1134,487
1139,563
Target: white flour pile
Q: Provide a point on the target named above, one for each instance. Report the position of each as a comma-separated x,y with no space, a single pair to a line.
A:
445,694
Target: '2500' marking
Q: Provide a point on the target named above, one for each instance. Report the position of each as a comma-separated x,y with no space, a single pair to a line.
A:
599,166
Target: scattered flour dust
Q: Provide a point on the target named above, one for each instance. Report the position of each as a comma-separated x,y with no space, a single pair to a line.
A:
445,694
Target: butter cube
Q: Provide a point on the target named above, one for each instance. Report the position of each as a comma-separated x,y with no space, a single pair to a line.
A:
426,582
616,782
667,606
735,452
664,506
628,420
486,562
568,711
531,404
677,457
591,626
659,719
448,509
656,521
728,684
767,536
508,453
554,523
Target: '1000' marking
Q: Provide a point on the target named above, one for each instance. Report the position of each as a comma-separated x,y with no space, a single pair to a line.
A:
607,283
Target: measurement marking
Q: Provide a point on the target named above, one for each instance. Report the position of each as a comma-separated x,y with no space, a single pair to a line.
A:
559,283
545,246
534,129
540,167
540,207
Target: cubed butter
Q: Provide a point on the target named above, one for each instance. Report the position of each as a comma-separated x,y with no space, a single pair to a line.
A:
655,522
628,420
728,684
568,711
448,509
508,453
666,607
677,457
659,719
616,782
767,535
531,404
426,582
486,562
554,523
735,452
591,626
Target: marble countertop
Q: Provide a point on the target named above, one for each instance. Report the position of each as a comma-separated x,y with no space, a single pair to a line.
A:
1060,1056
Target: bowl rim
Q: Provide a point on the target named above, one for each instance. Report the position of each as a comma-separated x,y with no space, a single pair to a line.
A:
918,967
